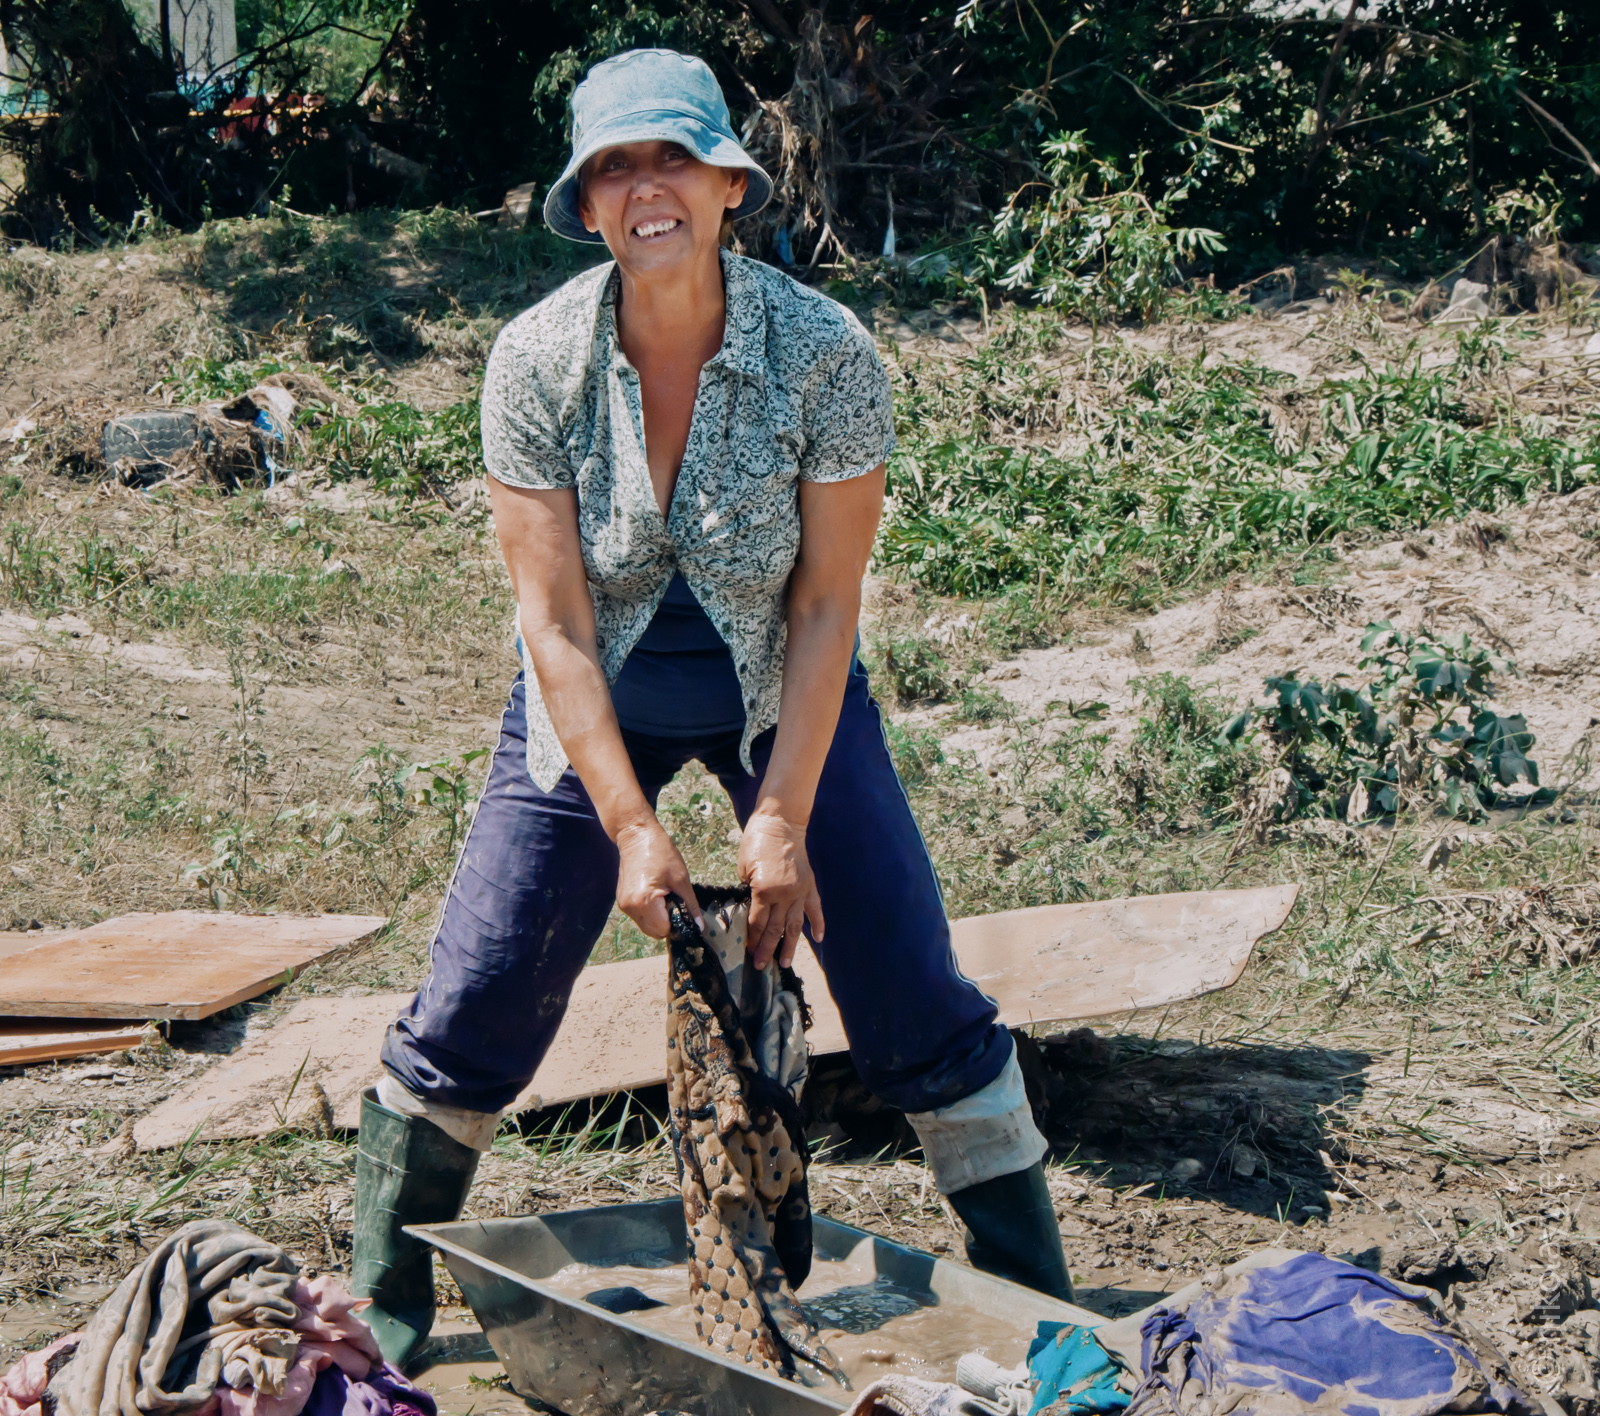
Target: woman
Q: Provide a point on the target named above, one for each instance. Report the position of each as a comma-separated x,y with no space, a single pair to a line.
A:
686,453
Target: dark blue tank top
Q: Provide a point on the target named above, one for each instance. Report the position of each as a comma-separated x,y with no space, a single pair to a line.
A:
679,681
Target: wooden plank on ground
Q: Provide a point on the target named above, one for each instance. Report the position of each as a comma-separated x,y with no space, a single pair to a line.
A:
1052,964
14,942
25,1040
182,964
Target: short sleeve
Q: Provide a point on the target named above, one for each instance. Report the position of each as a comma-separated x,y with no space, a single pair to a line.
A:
522,444
849,410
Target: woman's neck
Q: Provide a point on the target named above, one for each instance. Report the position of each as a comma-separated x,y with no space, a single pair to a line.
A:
681,311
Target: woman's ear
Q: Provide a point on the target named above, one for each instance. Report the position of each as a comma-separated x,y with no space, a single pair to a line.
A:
585,210
738,185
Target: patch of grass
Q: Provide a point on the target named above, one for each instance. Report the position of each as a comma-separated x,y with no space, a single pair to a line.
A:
911,669
1118,474
983,706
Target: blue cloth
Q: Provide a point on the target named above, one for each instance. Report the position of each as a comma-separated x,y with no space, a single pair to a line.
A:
1069,1366
1312,1332
537,876
650,95
679,680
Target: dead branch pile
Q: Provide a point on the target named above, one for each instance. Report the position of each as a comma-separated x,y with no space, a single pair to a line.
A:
1554,925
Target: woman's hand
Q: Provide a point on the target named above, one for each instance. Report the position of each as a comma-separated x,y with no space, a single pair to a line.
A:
650,870
783,891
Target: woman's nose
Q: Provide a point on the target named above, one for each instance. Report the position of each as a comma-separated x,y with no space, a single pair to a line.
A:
646,181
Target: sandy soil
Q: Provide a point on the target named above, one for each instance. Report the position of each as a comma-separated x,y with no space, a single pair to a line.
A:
1522,585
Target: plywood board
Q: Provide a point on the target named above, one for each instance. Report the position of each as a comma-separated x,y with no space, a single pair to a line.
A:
13,942
1052,964
47,1040
182,964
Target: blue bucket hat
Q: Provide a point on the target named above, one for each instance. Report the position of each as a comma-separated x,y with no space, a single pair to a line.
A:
650,95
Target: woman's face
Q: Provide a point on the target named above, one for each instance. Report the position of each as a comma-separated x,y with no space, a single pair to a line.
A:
656,204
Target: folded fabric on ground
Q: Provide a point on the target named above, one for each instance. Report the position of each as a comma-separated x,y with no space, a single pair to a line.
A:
1310,1333
215,1322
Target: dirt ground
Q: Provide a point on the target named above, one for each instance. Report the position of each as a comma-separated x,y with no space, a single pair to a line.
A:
1357,1093
1521,584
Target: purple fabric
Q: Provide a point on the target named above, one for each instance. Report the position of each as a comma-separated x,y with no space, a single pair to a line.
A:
384,1392
537,876
1314,1332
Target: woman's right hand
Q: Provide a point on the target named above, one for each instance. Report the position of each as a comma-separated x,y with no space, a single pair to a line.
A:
650,870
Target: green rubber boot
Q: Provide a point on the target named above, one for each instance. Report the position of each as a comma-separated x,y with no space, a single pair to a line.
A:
1012,1233
407,1172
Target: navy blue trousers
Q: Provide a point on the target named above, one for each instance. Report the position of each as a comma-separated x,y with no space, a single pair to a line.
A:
537,877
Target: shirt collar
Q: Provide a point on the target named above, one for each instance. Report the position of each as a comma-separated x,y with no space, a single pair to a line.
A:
744,335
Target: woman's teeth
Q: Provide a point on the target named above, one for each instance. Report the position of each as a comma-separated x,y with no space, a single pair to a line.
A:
655,228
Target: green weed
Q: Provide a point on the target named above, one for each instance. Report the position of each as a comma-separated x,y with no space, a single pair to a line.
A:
1162,471
1420,733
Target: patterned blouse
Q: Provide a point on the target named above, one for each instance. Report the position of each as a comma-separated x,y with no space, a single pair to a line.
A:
795,393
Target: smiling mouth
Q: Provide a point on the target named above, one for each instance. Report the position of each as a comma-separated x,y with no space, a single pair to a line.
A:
645,230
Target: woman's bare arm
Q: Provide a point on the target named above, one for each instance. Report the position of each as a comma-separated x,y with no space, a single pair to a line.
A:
838,522
538,532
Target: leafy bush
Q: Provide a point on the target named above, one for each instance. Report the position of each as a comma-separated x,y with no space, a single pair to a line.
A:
1420,734
1087,240
403,449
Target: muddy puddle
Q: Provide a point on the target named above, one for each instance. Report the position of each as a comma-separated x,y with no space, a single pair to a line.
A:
463,1374
873,1326
28,1325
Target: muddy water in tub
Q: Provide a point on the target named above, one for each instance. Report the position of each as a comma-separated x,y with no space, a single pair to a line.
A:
871,1325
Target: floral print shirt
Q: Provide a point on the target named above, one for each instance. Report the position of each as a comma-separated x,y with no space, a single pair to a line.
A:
796,393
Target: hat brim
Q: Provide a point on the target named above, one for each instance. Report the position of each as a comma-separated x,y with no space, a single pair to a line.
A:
663,125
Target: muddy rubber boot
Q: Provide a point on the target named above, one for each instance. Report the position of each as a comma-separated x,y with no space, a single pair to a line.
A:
407,1172
1012,1233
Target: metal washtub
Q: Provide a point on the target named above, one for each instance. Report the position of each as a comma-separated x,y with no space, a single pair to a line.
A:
586,1361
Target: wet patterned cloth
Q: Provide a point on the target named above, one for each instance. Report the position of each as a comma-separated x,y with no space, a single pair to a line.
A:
736,1062
1312,1334
796,394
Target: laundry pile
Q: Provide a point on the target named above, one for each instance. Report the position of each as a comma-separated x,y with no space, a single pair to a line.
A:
1278,1333
736,1063
216,1322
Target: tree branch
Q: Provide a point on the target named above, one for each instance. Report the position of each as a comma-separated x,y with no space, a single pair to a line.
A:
1560,127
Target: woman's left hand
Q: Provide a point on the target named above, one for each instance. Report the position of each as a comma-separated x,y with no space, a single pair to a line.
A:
783,891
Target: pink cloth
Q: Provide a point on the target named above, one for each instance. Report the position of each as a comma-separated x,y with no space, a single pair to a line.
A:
328,1313
247,1401
23,1384
334,1337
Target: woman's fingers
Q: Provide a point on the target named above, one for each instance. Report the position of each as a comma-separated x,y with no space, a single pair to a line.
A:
768,934
648,870
791,933
813,909
783,891
651,917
